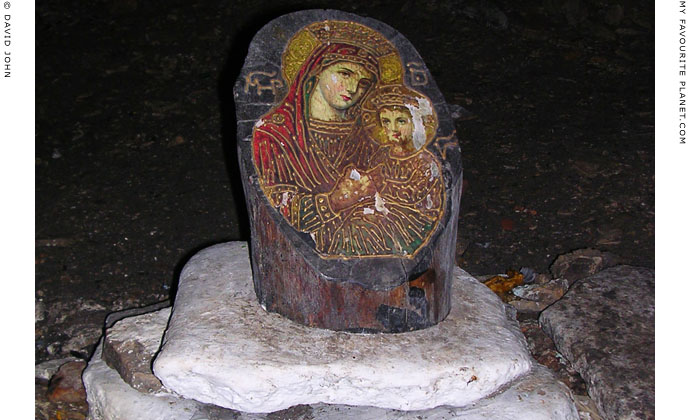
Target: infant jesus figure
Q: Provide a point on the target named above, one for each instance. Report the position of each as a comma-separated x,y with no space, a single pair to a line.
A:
393,198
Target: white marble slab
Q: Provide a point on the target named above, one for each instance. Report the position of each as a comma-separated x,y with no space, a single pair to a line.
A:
222,348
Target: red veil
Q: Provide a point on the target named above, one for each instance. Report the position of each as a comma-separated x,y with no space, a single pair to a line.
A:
293,168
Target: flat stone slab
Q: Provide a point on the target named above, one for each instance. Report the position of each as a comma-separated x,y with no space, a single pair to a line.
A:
222,348
536,395
605,327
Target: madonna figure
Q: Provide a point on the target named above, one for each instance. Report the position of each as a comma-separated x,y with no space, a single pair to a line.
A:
302,147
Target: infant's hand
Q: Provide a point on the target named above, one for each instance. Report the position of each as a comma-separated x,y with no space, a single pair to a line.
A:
352,188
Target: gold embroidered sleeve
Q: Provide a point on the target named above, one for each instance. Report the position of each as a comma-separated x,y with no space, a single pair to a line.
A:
413,182
315,212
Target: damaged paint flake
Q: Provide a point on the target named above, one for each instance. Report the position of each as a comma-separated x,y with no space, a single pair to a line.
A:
380,204
285,199
418,114
434,170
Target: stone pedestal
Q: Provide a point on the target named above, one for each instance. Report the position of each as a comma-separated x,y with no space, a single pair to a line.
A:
223,356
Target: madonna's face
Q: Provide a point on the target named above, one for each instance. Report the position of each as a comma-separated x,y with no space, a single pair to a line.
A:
397,124
343,84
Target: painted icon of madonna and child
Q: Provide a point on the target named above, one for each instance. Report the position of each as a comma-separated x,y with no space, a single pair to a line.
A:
344,157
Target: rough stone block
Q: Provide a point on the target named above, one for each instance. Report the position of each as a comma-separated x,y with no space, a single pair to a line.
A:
582,263
604,326
129,347
66,385
222,348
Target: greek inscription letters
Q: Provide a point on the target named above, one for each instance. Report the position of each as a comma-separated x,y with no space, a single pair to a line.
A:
253,80
445,142
418,75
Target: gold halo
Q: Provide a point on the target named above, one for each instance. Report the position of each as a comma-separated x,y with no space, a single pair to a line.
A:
301,46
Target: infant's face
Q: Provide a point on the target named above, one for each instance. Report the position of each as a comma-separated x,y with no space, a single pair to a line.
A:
398,126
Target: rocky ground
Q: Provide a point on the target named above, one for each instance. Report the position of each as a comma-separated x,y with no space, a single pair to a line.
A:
135,165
